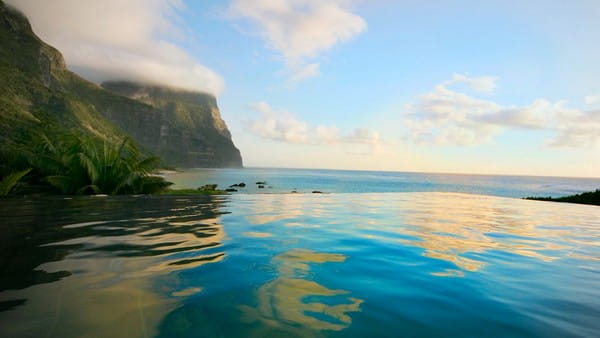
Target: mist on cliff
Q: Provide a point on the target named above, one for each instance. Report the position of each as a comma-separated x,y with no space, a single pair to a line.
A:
133,40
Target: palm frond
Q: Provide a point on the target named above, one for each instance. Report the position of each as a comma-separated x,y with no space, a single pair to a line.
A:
78,164
89,166
148,165
9,182
62,183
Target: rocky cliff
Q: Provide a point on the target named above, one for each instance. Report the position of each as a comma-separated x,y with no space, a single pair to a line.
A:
195,124
38,93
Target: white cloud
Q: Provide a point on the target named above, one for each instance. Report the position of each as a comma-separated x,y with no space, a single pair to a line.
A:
443,104
121,40
304,72
363,136
300,29
447,117
485,84
280,125
579,129
538,115
283,126
591,99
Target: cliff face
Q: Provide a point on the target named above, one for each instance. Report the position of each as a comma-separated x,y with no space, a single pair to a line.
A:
38,93
195,124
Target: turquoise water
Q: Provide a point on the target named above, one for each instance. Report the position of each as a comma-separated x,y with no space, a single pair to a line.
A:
426,264
345,181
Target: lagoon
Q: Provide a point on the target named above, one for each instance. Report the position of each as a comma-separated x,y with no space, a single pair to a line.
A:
431,264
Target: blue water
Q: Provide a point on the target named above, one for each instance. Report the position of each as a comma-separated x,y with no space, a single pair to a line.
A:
345,181
421,264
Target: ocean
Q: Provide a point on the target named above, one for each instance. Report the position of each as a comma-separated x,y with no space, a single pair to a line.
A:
349,181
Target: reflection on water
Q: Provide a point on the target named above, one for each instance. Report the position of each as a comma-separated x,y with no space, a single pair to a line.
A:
106,255
456,227
273,209
298,265
283,301
476,224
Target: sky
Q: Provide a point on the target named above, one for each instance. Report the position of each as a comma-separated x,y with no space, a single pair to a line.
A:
455,86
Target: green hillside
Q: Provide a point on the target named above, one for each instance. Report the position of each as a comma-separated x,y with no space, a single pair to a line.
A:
39,94
33,87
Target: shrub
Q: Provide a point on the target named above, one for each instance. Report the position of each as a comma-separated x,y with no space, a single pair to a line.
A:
78,164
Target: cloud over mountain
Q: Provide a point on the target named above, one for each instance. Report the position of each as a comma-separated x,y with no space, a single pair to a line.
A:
121,40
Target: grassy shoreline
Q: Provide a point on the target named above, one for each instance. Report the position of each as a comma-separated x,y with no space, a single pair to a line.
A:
589,198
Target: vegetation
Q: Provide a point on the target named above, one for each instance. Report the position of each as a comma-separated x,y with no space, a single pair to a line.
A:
40,106
592,197
36,90
77,164
10,181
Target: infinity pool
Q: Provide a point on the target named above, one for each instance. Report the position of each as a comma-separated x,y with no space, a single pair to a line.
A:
294,265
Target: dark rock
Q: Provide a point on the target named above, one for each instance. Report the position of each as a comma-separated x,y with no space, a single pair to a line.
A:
261,183
294,192
261,187
241,185
230,190
317,192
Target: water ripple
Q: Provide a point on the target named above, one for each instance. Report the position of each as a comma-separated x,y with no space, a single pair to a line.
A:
422,264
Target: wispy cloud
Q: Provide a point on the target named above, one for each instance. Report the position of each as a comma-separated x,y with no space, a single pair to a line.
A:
121,40
591,99
300,29
481,84
305,72
283,126
447,117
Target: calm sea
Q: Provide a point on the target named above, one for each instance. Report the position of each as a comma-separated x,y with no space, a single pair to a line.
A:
353,264
345,181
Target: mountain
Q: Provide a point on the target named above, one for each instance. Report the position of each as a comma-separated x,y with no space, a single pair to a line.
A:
34,86
195,124
38,93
